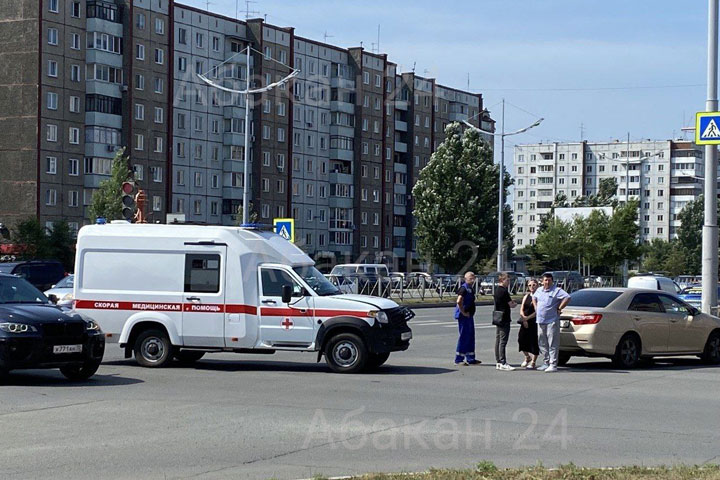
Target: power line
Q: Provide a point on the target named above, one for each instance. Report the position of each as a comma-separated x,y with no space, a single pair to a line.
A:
590,89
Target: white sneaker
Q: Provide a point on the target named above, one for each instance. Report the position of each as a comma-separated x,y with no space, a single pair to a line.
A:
543,367
498,366
524,364
506,367
551,369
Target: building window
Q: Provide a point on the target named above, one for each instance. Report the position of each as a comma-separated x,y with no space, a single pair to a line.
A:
159,85
216,44
182,64
140,112
366,78
159,115
159,56
51,135
51,197
52,101
159,26
157,203
140,52
74,167
51,165
52,36
52,68
199,40
198,179
75,41
74,104
73,198
139,142
74,135
158,144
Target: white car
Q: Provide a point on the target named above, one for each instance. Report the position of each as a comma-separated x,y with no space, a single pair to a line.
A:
63,292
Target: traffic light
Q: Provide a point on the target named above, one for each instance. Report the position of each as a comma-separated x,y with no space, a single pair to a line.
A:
128,201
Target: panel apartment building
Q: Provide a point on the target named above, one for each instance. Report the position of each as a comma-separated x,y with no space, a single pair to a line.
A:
338,148
663,175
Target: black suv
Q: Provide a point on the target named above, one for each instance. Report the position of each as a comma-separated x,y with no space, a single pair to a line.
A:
43,274
34,333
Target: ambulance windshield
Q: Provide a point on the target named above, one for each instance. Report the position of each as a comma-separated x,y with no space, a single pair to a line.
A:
317,280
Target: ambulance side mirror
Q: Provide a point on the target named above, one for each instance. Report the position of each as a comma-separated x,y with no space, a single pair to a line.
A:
286,293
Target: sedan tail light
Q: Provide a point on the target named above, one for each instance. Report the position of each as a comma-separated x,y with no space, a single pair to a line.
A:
587,319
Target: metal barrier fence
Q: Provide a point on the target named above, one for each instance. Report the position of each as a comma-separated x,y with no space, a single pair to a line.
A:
443,287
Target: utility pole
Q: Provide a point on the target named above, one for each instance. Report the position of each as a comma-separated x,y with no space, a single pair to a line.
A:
501,200
246,173
626,266
710,226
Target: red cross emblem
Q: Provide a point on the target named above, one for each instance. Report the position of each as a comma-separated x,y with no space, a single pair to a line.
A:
287,324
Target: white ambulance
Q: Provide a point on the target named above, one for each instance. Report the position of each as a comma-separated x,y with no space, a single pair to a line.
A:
179,291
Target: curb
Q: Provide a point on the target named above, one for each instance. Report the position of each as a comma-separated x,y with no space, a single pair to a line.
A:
482,303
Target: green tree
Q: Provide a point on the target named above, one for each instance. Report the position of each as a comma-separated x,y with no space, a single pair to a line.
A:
690,234
107,200
676,262
456,202
623,234
556,244
31,234
61,240
655,255
607,189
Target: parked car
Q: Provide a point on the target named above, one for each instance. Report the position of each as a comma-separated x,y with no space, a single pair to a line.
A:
685,281
490,282
654,282
34,333
369,278
42,274
447,283
62,292
692,295
629,324
418,280
568,280
397,280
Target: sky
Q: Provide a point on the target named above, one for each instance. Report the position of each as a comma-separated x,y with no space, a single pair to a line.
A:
600,67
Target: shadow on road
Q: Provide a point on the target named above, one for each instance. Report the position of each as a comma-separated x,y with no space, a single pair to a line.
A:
49,378
659,364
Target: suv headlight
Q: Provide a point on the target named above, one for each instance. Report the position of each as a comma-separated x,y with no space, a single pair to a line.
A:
92,326
17,327
379,315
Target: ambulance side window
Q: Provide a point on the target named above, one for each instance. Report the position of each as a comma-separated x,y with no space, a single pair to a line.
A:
202,273
273,281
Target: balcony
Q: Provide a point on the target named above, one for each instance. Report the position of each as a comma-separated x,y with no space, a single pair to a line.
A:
401,105
402,127
342,130
342,178
341,154
457,117
339,82
230,138
93,149
103,119
401,147
344,107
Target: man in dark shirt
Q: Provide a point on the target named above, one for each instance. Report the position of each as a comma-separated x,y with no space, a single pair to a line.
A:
464,311
503,303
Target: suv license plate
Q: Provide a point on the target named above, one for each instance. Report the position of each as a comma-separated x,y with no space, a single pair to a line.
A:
67,349
564,323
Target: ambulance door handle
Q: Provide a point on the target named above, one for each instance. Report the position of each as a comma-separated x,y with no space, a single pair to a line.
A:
269,302
193,299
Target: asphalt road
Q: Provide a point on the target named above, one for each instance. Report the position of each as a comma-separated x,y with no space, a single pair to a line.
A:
285,416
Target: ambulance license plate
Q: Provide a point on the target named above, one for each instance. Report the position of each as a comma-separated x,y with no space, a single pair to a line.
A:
564,323
59,349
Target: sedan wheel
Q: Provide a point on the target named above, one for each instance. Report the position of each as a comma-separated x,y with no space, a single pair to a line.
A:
711,354
627,352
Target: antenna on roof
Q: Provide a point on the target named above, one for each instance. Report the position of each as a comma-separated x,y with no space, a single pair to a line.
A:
413,70
326,36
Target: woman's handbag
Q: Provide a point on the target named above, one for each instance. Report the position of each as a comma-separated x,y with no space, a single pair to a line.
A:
497,318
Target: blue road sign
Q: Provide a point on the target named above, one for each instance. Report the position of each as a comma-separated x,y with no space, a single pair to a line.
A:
285,227
707,128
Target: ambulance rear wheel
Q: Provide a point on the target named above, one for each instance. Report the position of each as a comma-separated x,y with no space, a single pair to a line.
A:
188,356
346,353
153,349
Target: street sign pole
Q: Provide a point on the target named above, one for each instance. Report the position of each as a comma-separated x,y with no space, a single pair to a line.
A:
710,227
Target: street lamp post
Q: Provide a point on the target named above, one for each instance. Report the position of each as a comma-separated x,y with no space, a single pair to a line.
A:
501,199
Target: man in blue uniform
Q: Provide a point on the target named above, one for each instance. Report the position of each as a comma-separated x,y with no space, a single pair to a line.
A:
464,311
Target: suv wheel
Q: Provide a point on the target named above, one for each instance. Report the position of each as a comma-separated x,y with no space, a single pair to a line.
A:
711,354
346,353
80,372
627,352
153,349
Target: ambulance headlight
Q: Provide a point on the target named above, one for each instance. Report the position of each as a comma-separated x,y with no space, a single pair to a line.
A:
379,315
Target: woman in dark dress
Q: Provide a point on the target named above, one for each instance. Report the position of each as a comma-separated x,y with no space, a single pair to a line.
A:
528,334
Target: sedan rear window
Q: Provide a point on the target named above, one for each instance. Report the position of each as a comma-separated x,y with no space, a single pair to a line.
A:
592,298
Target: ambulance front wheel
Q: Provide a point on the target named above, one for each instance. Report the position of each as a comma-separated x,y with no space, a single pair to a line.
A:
153,349
346,353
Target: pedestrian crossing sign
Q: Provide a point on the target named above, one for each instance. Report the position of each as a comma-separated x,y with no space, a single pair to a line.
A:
707,128
285,227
